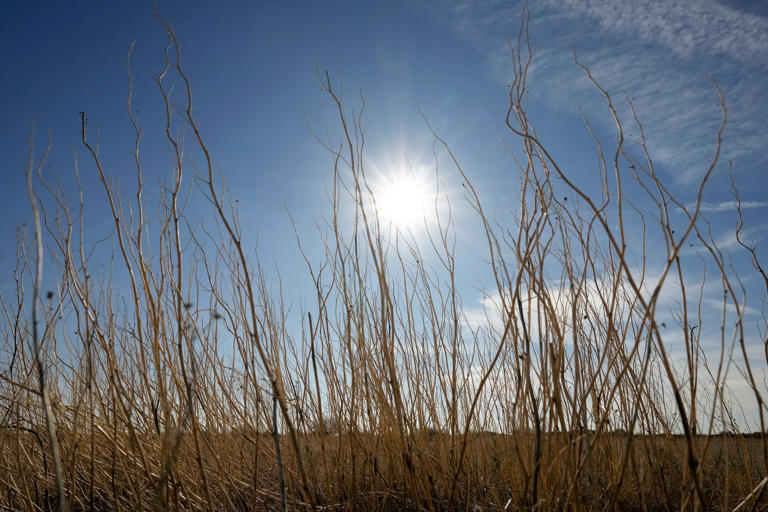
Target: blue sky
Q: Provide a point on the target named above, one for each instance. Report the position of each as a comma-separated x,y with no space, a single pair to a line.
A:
253,71
253,68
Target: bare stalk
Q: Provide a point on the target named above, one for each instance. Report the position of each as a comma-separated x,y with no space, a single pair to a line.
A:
37,345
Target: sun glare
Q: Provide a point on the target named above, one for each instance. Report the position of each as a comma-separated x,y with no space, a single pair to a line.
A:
405,200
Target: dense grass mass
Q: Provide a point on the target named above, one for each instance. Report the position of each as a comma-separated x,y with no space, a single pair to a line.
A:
195,389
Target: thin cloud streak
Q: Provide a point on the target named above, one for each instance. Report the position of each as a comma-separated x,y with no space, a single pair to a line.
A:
730,206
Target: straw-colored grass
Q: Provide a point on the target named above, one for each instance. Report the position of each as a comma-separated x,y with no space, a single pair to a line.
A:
176,379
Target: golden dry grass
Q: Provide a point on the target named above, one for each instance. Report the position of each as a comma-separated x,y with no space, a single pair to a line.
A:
384,398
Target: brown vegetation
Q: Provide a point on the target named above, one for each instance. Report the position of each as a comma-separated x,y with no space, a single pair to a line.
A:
386,399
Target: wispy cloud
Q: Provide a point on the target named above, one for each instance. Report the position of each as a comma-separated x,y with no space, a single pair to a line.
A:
686,28
719,305
730,206
659,52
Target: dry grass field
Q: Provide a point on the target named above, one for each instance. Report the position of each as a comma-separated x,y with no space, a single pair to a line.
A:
194,388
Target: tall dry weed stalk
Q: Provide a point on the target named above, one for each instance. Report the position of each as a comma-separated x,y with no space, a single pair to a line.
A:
194,390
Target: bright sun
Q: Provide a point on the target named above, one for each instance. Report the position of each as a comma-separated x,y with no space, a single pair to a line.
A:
405,200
